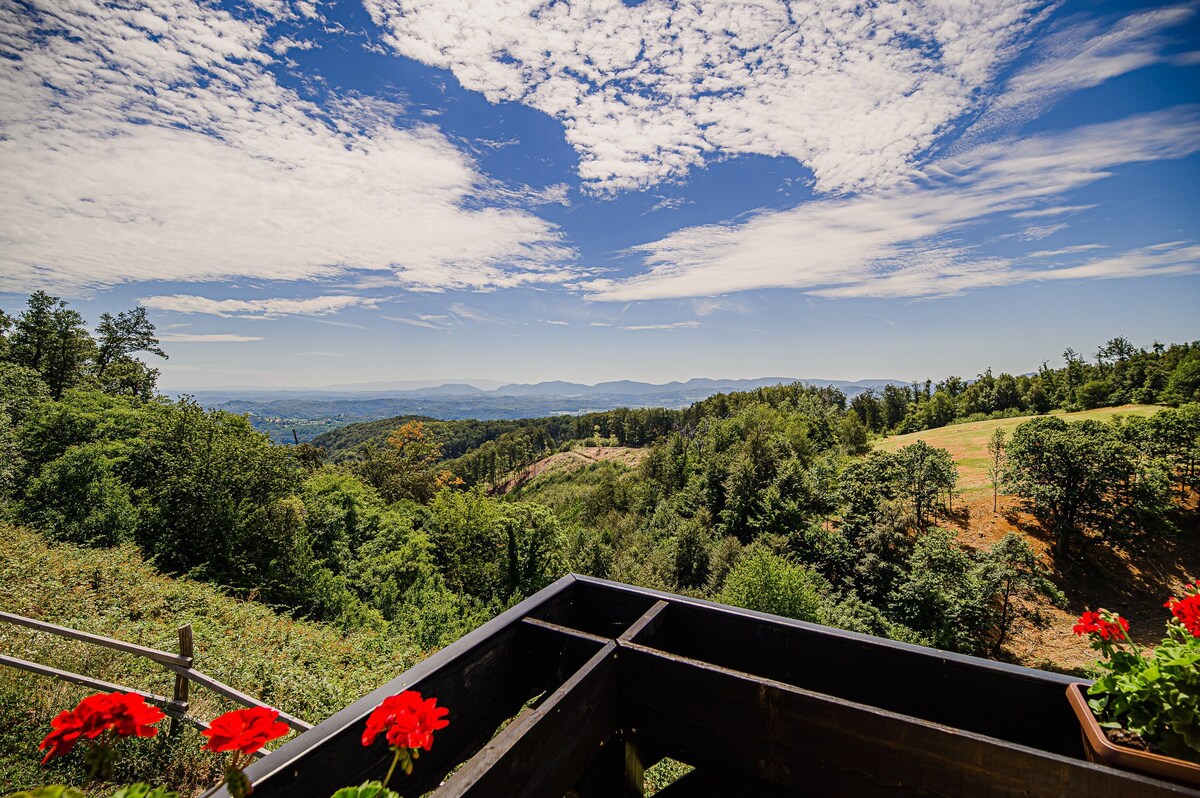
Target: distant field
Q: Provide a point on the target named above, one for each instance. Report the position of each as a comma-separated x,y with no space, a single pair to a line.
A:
967,443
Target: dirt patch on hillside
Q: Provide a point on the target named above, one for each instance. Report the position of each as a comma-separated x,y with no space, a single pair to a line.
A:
571,461
1134,582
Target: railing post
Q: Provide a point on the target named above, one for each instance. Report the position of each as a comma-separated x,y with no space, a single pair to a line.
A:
180,699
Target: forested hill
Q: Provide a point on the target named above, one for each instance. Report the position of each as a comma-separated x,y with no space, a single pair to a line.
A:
1119,374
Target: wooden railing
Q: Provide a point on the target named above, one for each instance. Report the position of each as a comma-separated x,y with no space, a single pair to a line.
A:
176,707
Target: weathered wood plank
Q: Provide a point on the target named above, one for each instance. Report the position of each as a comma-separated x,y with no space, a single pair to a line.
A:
596,610
808,741
165,657
80,679
565,630
530,759
221,688
169,706
647,624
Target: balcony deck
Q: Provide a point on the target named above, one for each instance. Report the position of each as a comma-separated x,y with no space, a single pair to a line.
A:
578,689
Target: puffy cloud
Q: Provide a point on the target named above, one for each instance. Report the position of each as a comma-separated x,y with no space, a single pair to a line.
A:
853,90
150,141
900,242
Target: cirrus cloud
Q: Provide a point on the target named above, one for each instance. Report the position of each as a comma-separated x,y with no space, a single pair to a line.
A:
901,242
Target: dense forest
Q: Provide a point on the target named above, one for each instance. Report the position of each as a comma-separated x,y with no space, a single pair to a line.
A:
772,499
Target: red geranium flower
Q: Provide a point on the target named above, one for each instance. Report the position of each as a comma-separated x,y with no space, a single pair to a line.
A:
1187,609
407,720
1091,622
245,730
126,714
131,715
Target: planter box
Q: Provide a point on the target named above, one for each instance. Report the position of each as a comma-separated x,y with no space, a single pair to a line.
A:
1098,749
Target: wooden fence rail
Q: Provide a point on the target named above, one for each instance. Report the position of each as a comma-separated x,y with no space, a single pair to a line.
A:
180,664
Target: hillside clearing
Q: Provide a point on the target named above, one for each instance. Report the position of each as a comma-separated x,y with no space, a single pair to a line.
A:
1135,583
572,461
967,443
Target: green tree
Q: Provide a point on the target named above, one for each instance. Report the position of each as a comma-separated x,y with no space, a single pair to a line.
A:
81,498
767,582
923,472
119,337
1066,473
1014,577
943,596
996,464
50,339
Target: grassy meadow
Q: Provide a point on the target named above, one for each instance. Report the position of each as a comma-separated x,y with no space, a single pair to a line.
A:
967,443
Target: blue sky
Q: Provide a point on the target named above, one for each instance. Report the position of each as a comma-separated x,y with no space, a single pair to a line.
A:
310,193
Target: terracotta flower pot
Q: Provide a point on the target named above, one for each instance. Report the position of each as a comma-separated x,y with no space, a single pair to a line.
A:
1098,749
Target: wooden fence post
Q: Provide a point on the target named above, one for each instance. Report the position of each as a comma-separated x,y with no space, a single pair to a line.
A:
180,699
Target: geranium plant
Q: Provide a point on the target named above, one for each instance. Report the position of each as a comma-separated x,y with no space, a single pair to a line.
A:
407,721
243,732
1155,697
99,721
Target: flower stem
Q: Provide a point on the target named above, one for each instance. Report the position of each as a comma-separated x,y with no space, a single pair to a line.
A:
392,769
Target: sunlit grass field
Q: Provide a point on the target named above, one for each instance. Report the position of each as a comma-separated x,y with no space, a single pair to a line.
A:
967,443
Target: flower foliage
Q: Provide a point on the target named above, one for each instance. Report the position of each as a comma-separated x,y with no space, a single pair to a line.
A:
244,730
1158,696
121,714
407,720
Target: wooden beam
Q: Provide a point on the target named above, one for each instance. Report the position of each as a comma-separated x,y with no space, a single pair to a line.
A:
165,657
647,624
596,610
221,688
531,759
565,630
77,678
818,744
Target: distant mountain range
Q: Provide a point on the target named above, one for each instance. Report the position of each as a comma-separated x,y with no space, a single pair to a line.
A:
699,387
288,415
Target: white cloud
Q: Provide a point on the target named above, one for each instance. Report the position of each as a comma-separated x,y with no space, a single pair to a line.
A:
150,142
1056,210
207,338
263,308
901,242
853,90
1082,54
678,325
1037,232
460,311
1071,250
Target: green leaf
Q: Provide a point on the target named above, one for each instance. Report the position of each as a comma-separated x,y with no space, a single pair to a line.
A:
369,789
51,791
